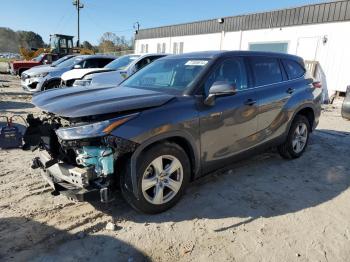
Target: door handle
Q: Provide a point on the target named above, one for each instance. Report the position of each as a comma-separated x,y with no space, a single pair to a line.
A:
290,90
250,102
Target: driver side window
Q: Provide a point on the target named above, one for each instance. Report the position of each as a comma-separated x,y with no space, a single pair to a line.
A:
231,71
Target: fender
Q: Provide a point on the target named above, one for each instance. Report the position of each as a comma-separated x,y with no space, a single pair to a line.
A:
158,138
297,110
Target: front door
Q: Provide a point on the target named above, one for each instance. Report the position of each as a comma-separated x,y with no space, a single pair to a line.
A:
229,126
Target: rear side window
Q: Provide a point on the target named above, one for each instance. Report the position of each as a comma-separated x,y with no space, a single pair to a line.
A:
294,70
266,70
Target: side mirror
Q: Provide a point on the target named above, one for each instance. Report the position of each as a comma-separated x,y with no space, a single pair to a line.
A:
220,88
77,67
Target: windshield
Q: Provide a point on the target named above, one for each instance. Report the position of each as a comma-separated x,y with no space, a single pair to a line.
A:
172,74
69,62
122,62
61,60
38,58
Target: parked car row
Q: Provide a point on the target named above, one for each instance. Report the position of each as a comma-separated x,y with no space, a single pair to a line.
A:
167,123
84,70
112,74
43,78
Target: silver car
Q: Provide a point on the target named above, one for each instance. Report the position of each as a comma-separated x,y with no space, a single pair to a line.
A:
115,72
44,78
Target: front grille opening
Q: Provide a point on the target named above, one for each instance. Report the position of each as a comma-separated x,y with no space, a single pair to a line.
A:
33,85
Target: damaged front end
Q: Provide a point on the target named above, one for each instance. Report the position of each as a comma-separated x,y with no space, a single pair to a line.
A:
77,157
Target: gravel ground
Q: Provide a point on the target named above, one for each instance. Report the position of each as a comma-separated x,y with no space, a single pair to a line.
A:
263,209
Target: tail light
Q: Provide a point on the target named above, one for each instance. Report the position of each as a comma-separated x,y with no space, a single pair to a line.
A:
317,84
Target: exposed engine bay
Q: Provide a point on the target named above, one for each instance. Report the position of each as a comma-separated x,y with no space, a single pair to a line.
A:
77,156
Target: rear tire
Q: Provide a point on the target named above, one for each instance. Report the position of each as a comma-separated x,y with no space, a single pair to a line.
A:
297,139
165,185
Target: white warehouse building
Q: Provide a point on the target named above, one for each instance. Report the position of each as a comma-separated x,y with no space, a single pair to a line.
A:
320,33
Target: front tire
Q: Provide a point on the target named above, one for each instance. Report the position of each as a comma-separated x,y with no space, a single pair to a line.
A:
297,139
51,85
163,173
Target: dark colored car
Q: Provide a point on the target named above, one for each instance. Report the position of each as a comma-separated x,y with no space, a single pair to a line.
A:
345,110
175,120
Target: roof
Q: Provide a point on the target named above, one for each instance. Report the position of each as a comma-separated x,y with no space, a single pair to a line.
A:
96,56
215,54
328,12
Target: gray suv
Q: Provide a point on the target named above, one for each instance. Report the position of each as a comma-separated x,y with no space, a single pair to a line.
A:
173,121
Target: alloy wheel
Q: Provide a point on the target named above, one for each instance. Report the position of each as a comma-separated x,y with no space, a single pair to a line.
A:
162,179
300,138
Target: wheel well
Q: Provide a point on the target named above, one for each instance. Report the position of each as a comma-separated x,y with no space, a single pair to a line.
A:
184,144
21,70
50,82
308,112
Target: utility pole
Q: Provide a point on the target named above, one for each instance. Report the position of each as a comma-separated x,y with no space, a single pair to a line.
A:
78,6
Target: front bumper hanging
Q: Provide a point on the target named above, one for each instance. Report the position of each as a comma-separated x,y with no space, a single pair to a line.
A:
74,182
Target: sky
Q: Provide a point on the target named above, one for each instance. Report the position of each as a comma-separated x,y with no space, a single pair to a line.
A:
98,16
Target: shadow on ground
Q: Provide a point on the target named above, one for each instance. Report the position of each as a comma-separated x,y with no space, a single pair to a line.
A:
26,240
16,94
263,186
7,105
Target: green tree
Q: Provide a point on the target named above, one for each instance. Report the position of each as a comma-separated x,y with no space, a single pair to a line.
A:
29,39
8,40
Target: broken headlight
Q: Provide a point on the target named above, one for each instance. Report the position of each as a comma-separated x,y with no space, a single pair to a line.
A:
83,82
92,130
40,75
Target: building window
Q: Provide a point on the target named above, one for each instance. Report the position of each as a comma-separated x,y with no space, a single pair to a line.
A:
144,48
181,51
159,48
175,48
163,48
269,47
178,48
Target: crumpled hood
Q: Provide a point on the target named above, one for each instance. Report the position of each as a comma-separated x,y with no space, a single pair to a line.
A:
87,101
80,73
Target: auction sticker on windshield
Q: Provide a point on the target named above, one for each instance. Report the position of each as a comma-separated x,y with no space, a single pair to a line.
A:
197,63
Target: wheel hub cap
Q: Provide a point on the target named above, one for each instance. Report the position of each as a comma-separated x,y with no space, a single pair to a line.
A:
300,138
162,179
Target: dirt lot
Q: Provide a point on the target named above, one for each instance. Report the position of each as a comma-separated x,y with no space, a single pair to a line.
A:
264,209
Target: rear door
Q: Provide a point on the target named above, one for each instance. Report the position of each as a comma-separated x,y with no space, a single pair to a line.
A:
229,126
273,91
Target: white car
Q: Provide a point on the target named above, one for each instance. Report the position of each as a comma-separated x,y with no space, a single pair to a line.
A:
43,78
112,74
